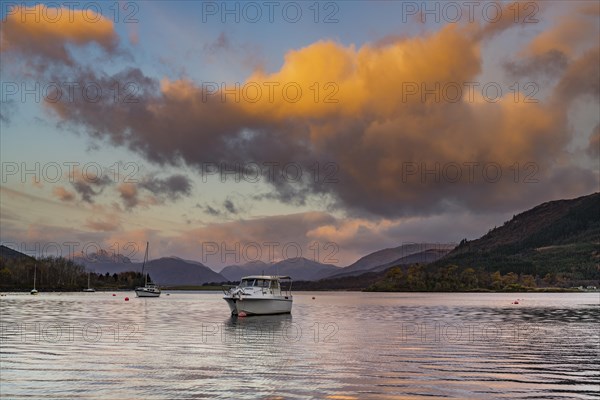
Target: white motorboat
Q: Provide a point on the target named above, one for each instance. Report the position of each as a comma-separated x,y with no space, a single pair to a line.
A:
259,295
149,289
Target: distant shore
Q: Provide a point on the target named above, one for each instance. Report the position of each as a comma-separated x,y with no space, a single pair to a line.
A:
218,288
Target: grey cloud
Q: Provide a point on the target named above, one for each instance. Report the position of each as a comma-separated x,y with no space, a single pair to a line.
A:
211,211
88,188
594,143
551,63
221,43
582,77
176,124
229,206
173,187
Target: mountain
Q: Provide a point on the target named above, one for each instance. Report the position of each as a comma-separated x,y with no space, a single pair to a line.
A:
298,268
103,262
235,272
103,256
8,253
386,258
553,245
168,271
422,257
176,271
557,236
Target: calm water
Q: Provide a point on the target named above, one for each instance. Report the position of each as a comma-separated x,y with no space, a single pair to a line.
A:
336,346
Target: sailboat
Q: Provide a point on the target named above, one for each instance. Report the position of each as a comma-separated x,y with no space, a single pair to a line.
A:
34,291
149,289
89,289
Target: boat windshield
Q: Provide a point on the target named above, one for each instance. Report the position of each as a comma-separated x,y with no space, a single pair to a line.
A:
262,283
247,282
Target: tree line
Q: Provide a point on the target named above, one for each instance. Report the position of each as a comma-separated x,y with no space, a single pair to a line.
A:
452,278
59,274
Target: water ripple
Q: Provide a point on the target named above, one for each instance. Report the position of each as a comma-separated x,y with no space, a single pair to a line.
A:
338,346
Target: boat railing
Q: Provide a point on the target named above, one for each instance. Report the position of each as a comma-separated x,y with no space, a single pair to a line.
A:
288,289
227,288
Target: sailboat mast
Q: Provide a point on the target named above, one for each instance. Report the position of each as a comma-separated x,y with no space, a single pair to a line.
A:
34,275
144,264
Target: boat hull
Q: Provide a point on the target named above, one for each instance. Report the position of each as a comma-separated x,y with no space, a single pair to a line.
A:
260,306
146,293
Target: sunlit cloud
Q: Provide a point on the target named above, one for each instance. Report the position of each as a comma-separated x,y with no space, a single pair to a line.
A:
405,148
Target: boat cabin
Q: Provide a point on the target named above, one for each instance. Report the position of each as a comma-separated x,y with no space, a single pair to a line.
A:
265,284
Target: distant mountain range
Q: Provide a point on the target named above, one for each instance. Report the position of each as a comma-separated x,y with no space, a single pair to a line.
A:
176,271
298,268
555,238
169,271
405,254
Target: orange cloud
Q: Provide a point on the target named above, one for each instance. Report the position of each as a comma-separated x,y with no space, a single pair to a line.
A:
44,32
375,129
108,224
342,81
63,194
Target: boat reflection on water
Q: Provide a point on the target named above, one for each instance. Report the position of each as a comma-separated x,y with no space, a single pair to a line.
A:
268,327
266,339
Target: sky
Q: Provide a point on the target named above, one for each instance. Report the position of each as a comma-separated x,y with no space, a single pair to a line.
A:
229,132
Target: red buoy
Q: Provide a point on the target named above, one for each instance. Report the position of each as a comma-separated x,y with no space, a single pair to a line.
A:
241,314
126,298
114,294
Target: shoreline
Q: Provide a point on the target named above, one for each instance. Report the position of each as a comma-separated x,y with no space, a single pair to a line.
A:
217,289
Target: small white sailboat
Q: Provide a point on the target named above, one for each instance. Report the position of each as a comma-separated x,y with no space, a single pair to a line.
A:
89,289
259,295
34,291
149,289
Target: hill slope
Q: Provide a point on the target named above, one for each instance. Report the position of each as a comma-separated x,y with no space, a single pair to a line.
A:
557,236
389,257
298,268
8,253
555,244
